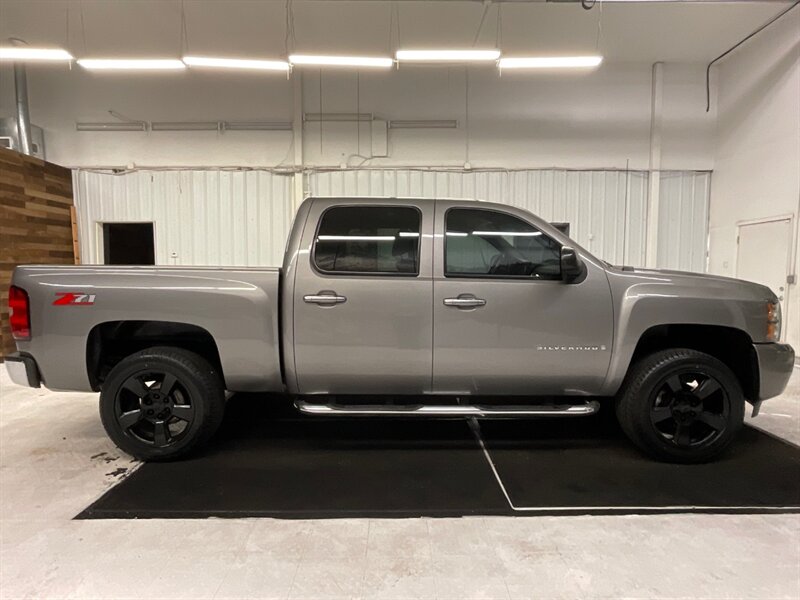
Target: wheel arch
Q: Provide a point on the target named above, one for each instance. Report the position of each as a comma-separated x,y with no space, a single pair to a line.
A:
731,346
110,342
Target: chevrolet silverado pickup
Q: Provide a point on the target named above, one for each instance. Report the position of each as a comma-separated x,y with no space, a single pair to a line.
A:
406,307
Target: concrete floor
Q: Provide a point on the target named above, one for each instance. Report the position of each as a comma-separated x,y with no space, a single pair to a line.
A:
55,460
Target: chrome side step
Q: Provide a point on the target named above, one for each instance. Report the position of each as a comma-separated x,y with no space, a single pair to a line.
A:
432,410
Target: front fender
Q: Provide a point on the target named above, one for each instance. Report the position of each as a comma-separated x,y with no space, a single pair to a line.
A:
644,302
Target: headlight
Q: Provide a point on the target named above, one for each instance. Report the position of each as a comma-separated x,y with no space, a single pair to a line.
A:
773,321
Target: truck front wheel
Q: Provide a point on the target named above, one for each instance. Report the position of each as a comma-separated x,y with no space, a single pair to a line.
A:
681,405
161,403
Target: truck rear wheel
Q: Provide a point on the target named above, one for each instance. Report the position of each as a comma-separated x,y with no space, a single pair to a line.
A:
162,403
681,405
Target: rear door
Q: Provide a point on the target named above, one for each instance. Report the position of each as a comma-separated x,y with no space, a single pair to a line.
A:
504,321
362,298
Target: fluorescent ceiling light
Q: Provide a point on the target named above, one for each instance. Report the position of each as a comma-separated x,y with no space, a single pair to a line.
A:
550,62
221,126
507,233
185,126
114,126
447,55
341,61
356,238
342,117
131,64
423,124
257,125
236,63
25,53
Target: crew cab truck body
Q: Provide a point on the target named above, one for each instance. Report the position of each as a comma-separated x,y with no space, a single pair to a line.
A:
466,308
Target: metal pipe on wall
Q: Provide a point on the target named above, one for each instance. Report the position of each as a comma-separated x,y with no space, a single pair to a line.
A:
654,179
735,46
23,115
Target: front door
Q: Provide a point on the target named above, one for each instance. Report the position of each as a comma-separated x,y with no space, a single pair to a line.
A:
504,321
362,299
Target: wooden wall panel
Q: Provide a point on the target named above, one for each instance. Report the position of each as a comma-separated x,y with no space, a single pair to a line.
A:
35,221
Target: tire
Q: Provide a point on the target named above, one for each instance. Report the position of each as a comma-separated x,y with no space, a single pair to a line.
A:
681,406
155,426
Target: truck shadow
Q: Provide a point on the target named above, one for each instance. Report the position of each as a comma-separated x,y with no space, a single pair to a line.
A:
268,460
275,415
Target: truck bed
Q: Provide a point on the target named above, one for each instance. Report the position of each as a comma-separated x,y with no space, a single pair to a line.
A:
238,307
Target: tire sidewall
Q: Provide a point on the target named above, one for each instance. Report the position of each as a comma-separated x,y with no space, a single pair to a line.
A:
142,363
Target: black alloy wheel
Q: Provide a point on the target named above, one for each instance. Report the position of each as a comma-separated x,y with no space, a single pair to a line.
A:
681,405
154,408
161,403
690,409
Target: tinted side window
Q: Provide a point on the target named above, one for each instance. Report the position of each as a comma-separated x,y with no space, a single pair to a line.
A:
494,244
368,239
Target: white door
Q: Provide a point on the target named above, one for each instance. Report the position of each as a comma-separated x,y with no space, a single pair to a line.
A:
763,254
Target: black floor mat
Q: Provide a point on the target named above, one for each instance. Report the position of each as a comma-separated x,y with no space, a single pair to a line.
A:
268,461
587,465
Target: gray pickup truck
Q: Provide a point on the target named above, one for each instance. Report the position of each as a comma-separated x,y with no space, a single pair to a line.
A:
406,307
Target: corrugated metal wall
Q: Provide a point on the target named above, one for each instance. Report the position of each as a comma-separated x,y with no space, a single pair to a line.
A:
243,217
683,221
217,217
606,209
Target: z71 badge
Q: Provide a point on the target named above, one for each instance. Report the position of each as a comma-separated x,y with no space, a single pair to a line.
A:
73,299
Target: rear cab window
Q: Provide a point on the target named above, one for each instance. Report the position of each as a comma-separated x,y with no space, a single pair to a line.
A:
368,240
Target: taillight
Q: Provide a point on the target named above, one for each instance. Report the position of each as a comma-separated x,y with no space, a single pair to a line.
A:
19,316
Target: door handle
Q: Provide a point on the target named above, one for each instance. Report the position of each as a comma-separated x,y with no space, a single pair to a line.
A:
465,302
324,298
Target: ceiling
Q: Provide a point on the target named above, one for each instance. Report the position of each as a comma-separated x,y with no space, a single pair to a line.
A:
627,31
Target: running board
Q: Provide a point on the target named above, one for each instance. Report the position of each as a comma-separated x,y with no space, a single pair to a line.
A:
431,410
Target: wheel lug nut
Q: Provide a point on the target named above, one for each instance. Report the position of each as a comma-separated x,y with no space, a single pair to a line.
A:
150,412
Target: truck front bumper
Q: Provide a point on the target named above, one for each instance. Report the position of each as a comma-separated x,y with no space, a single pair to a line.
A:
23,370
775,364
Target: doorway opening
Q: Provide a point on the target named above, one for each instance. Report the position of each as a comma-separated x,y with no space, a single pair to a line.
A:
128,244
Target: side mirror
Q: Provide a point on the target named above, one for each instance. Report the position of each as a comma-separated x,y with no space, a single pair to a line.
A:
571,265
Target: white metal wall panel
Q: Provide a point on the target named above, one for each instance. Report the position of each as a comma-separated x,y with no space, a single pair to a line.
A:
209,217
242,218
606,209
683,220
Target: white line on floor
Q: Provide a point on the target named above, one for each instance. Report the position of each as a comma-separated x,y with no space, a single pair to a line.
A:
476,429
